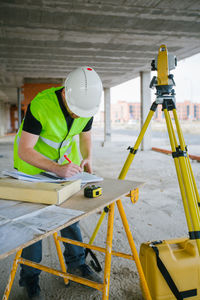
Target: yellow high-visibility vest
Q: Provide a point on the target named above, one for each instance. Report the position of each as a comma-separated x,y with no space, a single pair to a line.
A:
55,140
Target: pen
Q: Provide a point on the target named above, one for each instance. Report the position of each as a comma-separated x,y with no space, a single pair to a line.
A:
65,156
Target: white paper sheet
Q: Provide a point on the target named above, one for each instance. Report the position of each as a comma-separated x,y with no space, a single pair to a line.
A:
48,218
14,234
23,229
50,177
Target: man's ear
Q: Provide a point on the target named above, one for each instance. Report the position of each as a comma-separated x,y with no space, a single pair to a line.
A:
63,92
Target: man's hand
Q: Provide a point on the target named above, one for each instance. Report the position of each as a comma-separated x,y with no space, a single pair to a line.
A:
67,170
86,165
86,149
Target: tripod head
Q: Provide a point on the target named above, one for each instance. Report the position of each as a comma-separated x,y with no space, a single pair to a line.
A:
164,82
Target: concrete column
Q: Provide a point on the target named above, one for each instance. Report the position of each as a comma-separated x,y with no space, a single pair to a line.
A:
1,118
7,118
107,116
19,106
145,78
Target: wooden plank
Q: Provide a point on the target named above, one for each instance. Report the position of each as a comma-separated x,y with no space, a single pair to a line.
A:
165,151
113,189
37,192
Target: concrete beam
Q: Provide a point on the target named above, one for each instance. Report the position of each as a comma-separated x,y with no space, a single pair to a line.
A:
118,38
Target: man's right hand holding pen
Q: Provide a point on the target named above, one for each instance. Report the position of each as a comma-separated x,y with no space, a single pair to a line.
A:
67,170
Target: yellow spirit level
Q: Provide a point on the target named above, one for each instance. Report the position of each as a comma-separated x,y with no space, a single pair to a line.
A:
92,191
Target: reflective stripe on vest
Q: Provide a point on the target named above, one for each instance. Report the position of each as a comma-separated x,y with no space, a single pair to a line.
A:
62,159
54,144
50,143
18,140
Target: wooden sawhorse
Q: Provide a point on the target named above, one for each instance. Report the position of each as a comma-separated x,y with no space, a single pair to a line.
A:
78,200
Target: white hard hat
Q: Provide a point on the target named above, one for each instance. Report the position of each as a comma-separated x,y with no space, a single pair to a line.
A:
83,89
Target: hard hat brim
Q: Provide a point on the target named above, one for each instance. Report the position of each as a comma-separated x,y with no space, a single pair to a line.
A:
82,113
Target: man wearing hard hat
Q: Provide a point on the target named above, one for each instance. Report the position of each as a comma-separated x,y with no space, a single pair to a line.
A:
46,134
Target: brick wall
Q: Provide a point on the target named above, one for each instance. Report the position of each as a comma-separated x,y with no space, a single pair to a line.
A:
123,112
30,90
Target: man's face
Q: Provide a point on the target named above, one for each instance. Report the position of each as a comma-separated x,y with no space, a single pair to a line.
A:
74,116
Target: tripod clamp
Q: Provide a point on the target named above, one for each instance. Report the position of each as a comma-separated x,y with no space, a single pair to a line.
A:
132,150
179,152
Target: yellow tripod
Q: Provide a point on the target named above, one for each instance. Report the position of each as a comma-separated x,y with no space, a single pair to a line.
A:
165,96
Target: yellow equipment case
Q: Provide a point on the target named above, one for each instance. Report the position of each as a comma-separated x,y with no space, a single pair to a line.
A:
171,268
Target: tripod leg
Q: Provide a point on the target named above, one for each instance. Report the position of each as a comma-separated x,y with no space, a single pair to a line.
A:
191,188
133,151
174,146
193,179
122,176
183,147
128,161
97,228
188,184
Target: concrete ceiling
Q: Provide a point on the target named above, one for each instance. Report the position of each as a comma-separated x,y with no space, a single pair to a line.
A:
119,38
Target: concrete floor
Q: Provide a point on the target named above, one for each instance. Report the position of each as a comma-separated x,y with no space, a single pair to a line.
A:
157,215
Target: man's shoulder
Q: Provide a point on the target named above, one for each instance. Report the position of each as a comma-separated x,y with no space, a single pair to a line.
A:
46,96
48,93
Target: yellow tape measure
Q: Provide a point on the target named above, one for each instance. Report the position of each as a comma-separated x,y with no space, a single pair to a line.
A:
92,191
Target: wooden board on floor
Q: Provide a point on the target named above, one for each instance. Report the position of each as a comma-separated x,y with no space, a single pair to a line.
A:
37,192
